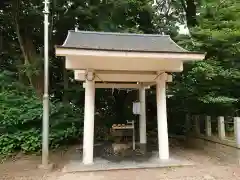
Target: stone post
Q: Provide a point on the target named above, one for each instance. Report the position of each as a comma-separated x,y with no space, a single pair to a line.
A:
188,124
208,126
221,128
237,130
197,123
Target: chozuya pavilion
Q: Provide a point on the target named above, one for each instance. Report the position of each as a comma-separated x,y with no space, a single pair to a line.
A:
121,60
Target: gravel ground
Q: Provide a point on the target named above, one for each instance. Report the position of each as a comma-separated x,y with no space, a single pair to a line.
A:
206,168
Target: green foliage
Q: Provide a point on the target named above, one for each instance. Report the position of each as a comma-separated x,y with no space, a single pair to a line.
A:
21,117
211,86
21,109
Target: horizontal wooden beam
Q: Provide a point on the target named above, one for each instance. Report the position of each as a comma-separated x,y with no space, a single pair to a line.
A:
150,84
117,77
117,86
146,79
123,64
168,79
117,72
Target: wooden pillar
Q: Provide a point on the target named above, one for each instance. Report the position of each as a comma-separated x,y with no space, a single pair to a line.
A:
88,134
142,118
163,145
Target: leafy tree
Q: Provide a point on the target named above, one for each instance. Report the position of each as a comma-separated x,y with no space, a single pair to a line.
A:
22,29
21,119
212,86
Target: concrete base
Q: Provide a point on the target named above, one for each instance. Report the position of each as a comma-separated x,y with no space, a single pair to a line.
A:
103,164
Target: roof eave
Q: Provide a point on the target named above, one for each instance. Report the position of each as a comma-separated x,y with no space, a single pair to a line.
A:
115,50
183,56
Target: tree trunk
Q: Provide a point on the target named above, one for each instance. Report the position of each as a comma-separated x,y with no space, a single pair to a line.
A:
191,13
32,61
190,9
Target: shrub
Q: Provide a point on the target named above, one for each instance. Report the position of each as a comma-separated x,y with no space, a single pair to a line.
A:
21,120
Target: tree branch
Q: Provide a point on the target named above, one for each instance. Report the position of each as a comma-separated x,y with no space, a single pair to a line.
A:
191,13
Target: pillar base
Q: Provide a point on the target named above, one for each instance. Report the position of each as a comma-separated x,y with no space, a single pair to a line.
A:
88,164
143,148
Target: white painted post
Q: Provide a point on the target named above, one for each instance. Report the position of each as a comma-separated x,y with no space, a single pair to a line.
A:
88,134
133,138
142,118
208,126
221,128
163,144
237,130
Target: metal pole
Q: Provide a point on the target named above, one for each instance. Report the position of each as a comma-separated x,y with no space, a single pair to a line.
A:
45,128
133,125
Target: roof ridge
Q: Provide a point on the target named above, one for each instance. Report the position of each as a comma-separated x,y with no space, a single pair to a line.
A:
118,33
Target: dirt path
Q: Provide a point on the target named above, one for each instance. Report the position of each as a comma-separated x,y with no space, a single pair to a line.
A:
206,168
190,173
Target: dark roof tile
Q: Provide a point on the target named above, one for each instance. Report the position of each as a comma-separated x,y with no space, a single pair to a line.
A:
121,42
